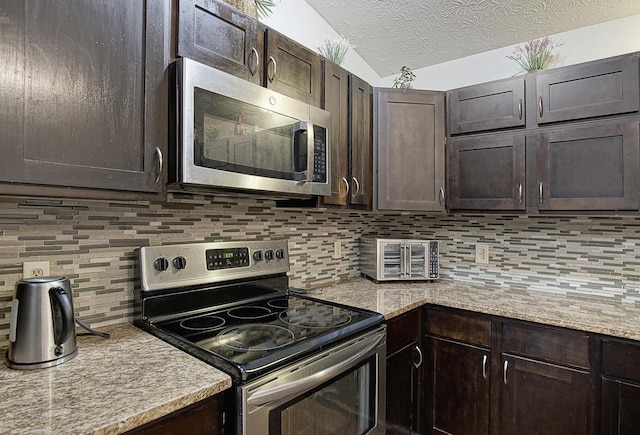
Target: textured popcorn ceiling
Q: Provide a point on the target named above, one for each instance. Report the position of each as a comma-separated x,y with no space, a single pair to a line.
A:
392,33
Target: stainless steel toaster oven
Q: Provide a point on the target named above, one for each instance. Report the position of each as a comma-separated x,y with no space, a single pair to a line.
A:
383,259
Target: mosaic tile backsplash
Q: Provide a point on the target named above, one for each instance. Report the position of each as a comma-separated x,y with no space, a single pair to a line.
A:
92,243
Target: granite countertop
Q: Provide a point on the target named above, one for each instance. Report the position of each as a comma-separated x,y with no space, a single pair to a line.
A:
394,298
111,386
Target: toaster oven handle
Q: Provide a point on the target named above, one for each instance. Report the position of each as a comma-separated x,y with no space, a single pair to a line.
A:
60,297
294,388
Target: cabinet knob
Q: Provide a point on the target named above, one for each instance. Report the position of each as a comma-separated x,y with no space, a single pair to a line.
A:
520,197
346,183
540,107
520,109
441,196
540,193
484,366
417,352
504,371
355,180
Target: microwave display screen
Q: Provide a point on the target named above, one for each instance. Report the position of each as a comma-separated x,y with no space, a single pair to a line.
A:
235,136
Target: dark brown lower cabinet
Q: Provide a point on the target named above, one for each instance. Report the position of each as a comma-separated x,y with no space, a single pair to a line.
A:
202,418
620,396
404,383
543,398
458,398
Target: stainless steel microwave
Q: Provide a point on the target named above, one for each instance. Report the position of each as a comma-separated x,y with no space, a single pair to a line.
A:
399,259
232,134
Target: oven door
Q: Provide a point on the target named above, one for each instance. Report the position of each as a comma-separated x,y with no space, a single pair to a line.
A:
340,390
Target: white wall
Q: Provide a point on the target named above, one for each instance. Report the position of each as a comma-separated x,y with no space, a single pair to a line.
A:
297,20
585,44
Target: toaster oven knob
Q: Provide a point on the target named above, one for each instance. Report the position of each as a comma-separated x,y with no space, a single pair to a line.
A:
268,254
257,256
180,262
161,264
280,254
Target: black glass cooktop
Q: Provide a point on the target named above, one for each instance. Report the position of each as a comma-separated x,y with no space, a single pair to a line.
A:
252,337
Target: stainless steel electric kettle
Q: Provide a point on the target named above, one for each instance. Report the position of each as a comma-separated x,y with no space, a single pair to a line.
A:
42,327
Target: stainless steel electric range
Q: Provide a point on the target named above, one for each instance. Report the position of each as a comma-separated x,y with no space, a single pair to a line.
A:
299,365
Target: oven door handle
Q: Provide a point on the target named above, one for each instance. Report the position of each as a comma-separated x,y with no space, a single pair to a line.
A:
294,388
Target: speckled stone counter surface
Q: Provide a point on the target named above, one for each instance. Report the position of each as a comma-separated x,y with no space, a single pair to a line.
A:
394,298
111,386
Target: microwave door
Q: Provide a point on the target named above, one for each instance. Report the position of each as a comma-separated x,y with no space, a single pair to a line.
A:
391,262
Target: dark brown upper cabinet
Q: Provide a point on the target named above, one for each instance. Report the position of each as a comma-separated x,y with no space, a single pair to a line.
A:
589,168
593,89
218,35
487,173
349,99
291,68
409,137
488,106
84,97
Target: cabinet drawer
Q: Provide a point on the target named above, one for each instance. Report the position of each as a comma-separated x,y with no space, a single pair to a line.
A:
547,343
403,330
459,325
621,360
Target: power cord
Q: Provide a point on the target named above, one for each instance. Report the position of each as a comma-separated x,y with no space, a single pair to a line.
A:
91,331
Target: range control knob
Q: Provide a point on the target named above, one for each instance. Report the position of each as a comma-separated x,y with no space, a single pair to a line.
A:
268,254
161,264
257,255
180,262
280,254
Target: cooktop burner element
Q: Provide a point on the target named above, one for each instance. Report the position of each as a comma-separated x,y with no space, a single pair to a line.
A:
255,337
203,323
239,317
249,313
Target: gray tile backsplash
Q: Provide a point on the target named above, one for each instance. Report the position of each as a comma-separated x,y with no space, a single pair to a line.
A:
92,243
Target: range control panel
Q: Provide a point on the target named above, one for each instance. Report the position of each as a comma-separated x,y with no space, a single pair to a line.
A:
173,266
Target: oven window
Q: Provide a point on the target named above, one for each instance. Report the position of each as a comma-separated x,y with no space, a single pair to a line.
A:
343,406
235,136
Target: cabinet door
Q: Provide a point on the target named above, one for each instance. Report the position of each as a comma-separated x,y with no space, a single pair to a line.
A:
409,144
599,88
87,93
292,69
404,361
487,106
361,143
620,408
218,35
335,99
543,398
487,173
592,168
403,388
457,380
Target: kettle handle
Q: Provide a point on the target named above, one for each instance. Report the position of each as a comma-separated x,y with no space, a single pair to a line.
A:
59,295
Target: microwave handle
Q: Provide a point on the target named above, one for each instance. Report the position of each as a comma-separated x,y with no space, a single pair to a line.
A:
307,174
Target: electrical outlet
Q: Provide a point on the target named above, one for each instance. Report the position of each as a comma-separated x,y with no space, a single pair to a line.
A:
33,269
337,250
482,253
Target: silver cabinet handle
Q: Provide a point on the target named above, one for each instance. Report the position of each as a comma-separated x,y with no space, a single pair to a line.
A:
255,56
419,363
484,366
272,61
520,198
504,371
441,196
160,164
540,193
540,107
355,180
520,109
346,183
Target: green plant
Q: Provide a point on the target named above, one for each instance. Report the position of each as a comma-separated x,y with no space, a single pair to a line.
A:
264,7
536,55
335,49
405,79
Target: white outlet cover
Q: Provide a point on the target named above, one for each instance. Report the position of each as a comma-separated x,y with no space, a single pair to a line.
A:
29,266
482,253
